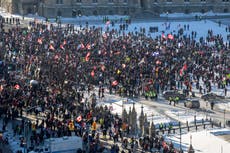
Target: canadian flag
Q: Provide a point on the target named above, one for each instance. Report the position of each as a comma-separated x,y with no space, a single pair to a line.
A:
158,62
64,42
1,88
184,68
92,73
108,22
39,41
79,118
103,68
115,83
62,47
163,36
51,47
82,46
170,36
87,57
17,86
88,46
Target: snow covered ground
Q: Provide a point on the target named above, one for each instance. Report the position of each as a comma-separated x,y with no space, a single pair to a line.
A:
206,141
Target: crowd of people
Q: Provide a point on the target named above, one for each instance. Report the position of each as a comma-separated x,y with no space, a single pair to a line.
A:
54,71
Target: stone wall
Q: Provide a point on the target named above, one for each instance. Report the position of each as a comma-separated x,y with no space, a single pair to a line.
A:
53,8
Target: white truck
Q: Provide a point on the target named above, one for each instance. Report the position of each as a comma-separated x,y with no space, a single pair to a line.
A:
60,145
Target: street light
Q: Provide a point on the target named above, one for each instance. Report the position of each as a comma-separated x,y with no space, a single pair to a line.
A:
224,117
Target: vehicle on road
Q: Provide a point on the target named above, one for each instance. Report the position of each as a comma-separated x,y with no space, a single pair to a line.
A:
192,103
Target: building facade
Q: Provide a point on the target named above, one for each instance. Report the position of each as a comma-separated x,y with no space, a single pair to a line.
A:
135,8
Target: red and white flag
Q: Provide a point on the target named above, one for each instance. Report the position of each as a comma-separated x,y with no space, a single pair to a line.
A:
108,22
170,36
51,47
92,73
40,41
17,86
79,118
115,83
88,46
87,57
62,47
163,36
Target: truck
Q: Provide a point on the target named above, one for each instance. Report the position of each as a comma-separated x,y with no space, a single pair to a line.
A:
65,144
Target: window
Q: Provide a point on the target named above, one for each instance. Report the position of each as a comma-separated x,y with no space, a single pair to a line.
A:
94,1
78,1
225,0
125,1
59,1
110,1
203,0
186,0
169,0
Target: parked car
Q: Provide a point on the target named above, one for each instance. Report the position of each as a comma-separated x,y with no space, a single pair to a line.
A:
192,103
173,93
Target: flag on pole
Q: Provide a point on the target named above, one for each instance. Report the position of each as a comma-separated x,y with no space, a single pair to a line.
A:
115,83
163,36
92,73
183,69
51,47
107,23
88,46
103,68
82,46
17,86
62,47
1,88
170,36
87,57
79,118
64,42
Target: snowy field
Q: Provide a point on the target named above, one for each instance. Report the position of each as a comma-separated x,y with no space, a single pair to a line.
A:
207,141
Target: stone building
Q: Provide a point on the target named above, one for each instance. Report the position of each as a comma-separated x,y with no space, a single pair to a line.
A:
134,8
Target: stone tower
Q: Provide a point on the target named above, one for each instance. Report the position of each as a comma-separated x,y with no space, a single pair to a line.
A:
141,120
134,120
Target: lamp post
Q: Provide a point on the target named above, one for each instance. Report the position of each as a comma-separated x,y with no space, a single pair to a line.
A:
224,117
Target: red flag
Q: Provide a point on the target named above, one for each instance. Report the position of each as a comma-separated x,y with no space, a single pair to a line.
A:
92,73
39,41
1,88
79,118
108,22
182,71
62,47
158,62
64,42
87,57
185,67
82,46
115,83
88,46
103,67
170,36
51,47
17,86
163,36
